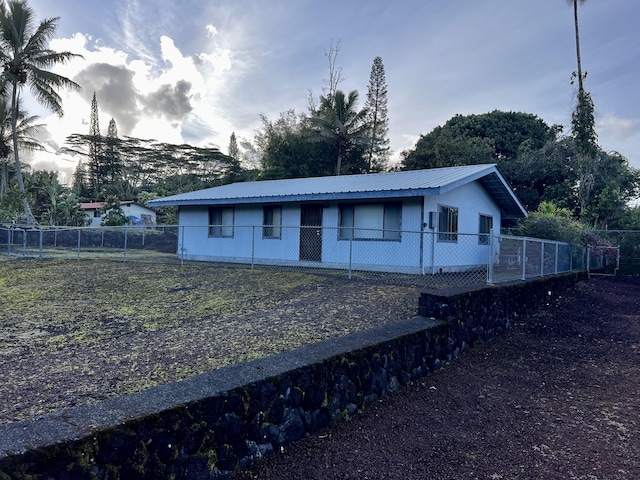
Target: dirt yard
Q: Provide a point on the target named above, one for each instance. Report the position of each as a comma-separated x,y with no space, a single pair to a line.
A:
556,397
77,332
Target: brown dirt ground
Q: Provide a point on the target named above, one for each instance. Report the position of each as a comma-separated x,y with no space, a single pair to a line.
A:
73,333
556,397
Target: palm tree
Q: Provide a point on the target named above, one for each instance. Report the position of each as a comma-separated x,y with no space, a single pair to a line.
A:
341,124
25,56
575,21
26,139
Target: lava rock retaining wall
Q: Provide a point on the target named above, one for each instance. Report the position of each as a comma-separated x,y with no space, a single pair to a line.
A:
208,426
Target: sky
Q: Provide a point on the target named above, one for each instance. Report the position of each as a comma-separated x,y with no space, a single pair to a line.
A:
195,71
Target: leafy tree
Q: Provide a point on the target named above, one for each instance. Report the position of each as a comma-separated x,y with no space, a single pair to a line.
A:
377,118
25,57
112,213
552,223
343,127
544,174
144,163
288,148
615,185
493,137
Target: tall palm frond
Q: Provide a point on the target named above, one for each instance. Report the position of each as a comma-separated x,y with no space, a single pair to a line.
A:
341,124
27,131
25,58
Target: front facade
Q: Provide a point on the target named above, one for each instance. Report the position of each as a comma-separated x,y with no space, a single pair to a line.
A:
425,221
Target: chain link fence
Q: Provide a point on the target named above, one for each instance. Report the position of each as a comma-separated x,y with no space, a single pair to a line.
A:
114,243
422,258
522,258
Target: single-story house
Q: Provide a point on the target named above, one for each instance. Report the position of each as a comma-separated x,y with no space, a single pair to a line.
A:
138,214
421,221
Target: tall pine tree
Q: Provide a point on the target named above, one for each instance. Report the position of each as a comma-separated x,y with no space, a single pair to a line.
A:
95,147
377,118
233,151
112,164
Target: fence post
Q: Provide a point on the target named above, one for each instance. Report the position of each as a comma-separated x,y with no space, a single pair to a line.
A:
126,236
9,240
490,265
40,252
79,243
24,243
350,251
524,259
253,244
433,252
182,245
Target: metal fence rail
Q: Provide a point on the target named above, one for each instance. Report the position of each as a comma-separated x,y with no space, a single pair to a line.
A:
424,258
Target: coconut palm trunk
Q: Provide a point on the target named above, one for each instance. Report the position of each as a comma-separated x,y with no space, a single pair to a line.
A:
575,21
29,218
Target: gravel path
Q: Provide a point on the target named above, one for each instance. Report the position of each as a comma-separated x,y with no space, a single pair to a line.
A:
556,397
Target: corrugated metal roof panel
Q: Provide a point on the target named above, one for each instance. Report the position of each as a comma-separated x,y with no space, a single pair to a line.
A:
380,185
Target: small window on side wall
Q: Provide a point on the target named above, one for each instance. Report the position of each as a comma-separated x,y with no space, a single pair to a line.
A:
447,224
221,222
272,222
484,229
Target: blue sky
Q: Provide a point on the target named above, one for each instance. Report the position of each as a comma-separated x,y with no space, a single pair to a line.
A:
196,71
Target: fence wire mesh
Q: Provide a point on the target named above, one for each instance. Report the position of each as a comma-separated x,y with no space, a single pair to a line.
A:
421,258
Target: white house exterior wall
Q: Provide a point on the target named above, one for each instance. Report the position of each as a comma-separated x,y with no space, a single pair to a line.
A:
471,200
247,244
413,253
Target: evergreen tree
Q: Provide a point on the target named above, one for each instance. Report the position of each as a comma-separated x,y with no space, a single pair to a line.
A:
377,119
95,147
234,151
111,163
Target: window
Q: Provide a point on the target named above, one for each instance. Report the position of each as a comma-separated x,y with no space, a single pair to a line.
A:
447,224
371,221
271,223
221,222
484,229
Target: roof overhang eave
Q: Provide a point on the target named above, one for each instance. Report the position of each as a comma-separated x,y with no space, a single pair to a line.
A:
307,197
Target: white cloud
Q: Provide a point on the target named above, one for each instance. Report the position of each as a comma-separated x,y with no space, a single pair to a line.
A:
617,128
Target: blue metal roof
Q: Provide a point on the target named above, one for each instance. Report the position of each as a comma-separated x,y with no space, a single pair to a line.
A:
350,187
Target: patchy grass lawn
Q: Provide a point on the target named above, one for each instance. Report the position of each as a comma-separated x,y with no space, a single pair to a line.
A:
74,332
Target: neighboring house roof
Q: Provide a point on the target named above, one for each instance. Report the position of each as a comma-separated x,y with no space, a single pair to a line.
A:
99,205
411,183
